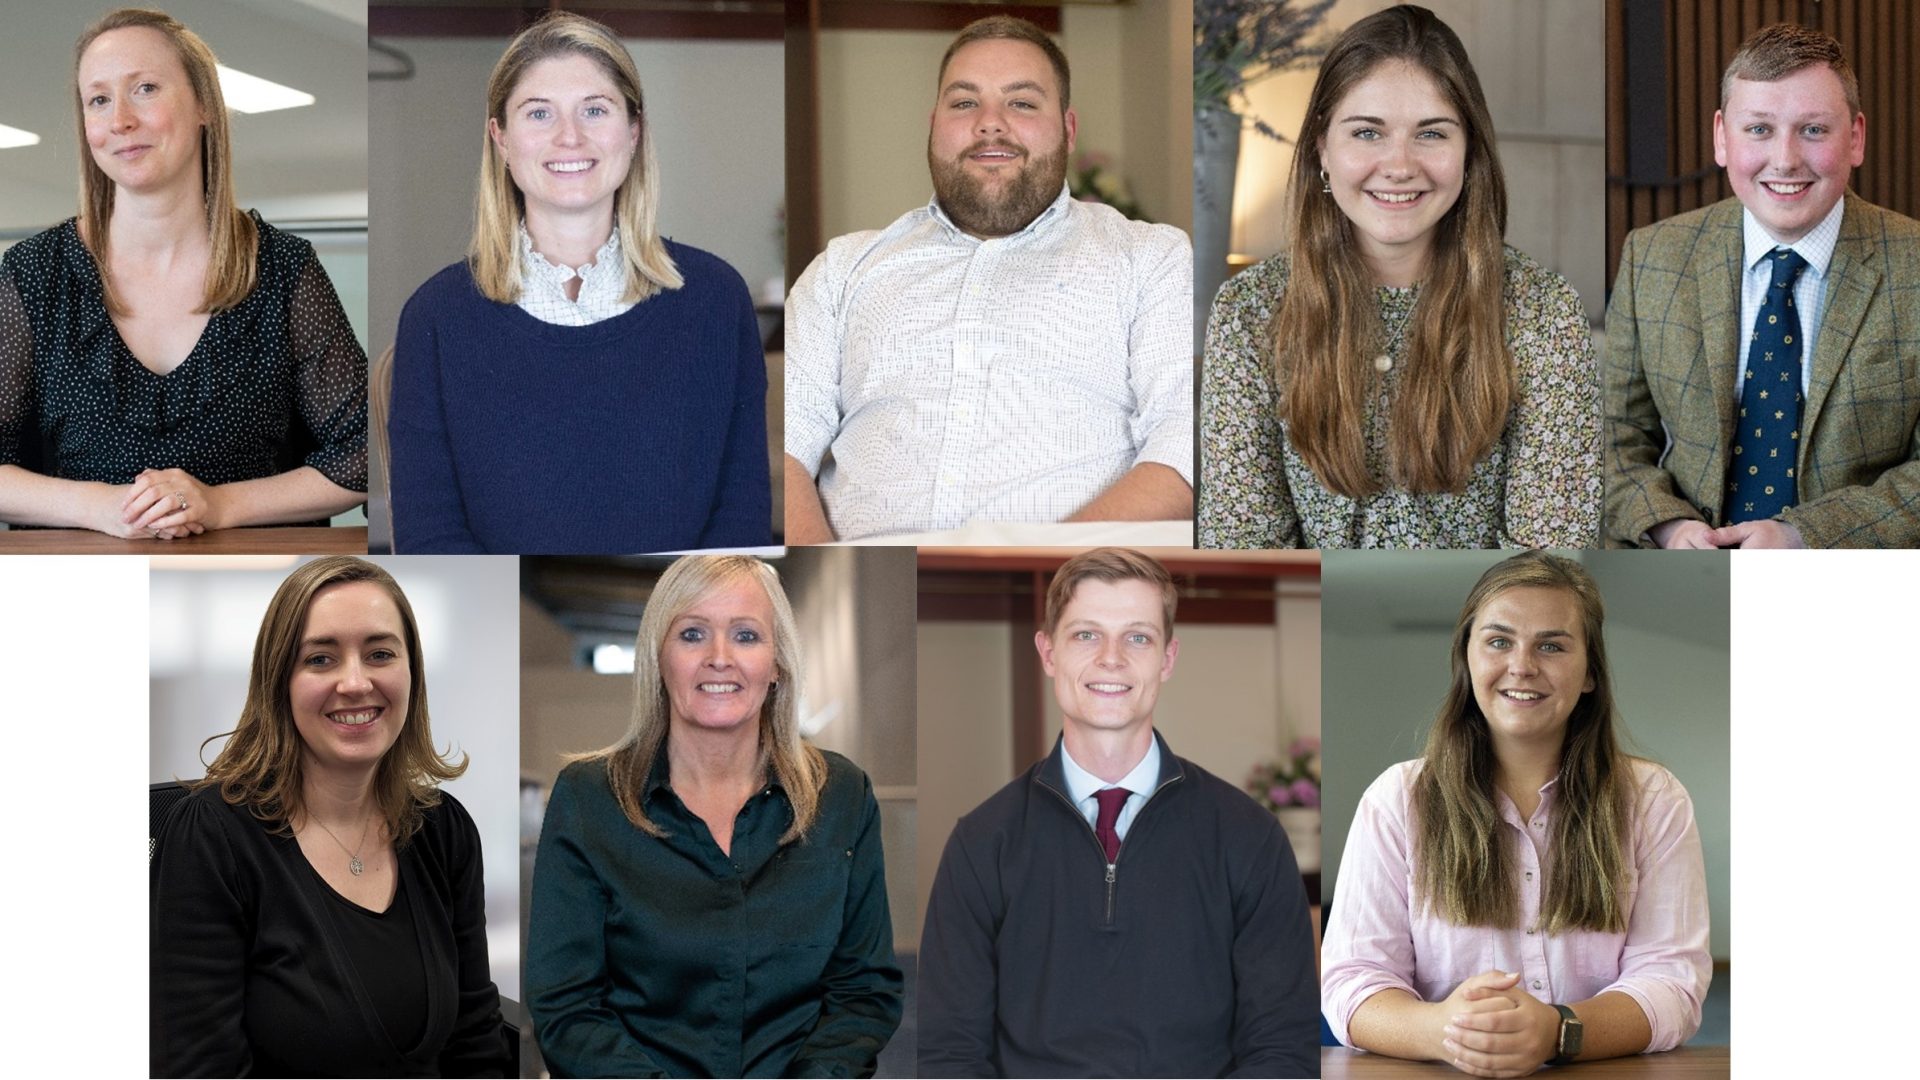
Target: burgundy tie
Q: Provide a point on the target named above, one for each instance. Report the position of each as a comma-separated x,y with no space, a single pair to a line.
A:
1111,800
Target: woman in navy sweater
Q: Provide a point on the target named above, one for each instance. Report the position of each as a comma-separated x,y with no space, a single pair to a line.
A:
578,383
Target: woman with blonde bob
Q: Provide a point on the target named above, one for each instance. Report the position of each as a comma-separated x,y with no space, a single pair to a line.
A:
709,896
1525,893
1399,378
578,383
168,363
317,901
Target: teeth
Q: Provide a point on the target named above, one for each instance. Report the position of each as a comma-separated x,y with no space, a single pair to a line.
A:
1396,197
355,719
569,166
1787,189
1521,695
1108,687
718,688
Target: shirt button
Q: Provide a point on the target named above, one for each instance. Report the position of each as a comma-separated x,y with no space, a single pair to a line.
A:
1536,984
1529,875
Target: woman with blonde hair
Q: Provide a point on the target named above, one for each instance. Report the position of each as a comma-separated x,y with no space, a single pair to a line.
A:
317,901
578,383
168,363
1525,893
1400,378
709,896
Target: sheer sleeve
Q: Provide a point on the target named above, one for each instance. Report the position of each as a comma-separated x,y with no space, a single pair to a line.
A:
16,376
331,371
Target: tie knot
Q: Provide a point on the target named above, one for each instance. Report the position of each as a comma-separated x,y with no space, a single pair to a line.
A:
1787,264
1111,800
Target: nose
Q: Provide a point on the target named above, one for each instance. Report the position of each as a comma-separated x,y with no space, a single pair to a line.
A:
1110,652
122,119
568,133
989,120
720,653
1398,164
1522,662
1786,153
353,679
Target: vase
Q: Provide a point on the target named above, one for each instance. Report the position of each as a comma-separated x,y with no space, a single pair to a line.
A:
1216,157
1302,824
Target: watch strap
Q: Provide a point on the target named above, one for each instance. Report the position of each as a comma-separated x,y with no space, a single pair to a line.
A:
1567,1048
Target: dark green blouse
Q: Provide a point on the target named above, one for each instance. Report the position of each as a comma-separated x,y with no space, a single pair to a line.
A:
665,957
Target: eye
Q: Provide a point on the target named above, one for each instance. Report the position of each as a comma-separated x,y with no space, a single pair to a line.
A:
1552,647
1140,639
1025,105
1432,134
692,635
383,656
1498,643
1365,134
961,103
597,111
746,636
1814,131
539,112
146,87
317,660
1759,131
96,101
1083,635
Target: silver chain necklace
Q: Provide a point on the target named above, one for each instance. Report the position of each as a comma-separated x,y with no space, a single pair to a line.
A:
354,864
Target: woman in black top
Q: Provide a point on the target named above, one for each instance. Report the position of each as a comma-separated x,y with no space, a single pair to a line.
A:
709,897
317,902
169,364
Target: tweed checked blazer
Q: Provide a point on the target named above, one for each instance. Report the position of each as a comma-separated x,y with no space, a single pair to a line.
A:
1673,325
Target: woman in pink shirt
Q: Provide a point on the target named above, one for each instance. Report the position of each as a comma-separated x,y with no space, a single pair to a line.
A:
1525,893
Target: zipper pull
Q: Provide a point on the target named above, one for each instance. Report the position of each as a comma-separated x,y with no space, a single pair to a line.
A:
1109,873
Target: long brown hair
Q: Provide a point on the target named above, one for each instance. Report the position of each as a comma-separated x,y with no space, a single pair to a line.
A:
1466,867
796,763
261,765
233,262
499,207
1457,383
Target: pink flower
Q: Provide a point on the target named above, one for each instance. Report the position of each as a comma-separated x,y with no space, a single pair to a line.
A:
1305,793
1306,746
1279,796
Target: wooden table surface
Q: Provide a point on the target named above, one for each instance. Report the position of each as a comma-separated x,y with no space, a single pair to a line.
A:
1686,1063
298,540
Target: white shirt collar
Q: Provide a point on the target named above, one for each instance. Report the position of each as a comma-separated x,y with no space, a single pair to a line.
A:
537,267
1055,210
1082,784
1816,247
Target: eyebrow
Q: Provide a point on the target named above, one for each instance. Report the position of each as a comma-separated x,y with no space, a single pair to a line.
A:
1137,624
1429,122
1028,85
383,636
525,101
136,73
1504,629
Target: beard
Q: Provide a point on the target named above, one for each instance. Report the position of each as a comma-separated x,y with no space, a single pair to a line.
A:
979,209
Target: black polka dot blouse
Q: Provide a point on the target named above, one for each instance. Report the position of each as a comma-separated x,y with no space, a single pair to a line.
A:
273,384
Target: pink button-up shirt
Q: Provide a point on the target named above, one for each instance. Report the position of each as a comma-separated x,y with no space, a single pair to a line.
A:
1376,941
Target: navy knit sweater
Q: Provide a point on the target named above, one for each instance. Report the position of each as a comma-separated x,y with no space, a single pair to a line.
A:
644,432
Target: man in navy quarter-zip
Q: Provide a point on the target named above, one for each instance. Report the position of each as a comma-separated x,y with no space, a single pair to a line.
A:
1117,910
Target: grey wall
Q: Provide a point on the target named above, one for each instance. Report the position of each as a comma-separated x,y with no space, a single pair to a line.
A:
1384,649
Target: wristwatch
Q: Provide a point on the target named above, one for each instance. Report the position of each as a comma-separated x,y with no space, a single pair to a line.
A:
1570,1035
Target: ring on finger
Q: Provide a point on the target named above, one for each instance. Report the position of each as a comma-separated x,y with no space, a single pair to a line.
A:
180,498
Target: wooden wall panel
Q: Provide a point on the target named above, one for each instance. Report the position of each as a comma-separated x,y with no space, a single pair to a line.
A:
1880,37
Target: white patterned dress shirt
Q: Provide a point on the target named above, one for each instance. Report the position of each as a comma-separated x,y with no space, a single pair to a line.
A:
935,379
543,285
1809,289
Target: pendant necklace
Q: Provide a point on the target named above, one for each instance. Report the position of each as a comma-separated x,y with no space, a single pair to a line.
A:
354,865
1384,362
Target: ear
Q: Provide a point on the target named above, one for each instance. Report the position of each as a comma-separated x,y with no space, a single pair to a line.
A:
1073,130
1859,138
1044,646
633,134
1173,653
1720,138
499,137
1588,689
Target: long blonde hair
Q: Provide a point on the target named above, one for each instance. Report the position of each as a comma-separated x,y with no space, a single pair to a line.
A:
1466,870
1457,382
232,264
261,767
796,763
499,207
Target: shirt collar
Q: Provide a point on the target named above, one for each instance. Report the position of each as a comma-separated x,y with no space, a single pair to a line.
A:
1816,247
658,779
1055,211
1082,784
537,267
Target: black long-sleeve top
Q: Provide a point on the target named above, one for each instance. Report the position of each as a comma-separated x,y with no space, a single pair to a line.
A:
1190,955
664,957
249,974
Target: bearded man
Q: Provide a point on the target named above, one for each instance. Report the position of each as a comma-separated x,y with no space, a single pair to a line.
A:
1004,353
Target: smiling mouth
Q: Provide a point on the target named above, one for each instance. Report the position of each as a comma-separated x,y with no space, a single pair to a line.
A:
569,167
1396,198
996,154
719,688
1108,687
129,151
1786,188
1522,695
355,717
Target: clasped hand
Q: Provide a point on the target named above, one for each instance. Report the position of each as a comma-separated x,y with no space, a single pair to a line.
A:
165,504
1494,1028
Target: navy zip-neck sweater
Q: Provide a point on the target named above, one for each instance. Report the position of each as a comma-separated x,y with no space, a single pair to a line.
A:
643,432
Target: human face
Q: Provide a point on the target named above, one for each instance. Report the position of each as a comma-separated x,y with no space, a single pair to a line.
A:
1789,148
351,675
1527,655
143,123
999,140
567,140
1108,655
1395,154
718,659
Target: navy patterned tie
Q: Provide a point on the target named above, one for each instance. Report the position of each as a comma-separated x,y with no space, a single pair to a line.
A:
1111,800
1766,441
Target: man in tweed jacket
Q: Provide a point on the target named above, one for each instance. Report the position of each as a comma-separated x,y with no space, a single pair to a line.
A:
1789,133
